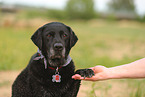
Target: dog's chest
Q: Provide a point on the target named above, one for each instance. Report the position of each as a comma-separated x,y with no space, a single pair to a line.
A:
50,86
52,89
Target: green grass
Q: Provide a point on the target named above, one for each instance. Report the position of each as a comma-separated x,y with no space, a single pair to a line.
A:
100,43
15,48
108,44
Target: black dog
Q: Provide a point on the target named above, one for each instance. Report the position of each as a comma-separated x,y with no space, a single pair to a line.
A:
49,71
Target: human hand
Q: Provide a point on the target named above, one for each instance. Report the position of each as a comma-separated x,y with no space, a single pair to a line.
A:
101,73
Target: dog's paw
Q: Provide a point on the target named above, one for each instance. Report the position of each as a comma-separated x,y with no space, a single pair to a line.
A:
85,73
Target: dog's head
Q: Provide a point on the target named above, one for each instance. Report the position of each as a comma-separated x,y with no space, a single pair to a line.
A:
55,41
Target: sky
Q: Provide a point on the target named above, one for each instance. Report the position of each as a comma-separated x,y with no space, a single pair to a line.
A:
100,5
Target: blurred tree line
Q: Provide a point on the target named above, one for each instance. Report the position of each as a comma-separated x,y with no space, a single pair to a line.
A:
80,9
75,9
84,9
122,6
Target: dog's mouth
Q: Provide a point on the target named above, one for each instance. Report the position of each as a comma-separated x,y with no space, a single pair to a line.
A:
56,60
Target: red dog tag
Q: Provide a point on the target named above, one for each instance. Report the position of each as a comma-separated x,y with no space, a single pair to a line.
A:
56,78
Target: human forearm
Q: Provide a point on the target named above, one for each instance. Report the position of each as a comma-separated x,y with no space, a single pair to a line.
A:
132,70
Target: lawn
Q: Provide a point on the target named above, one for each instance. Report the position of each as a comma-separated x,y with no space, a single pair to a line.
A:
107,43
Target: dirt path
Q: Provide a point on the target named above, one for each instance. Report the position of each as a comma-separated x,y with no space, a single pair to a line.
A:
6,80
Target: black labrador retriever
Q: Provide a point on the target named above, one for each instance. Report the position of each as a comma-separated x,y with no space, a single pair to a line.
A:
49,71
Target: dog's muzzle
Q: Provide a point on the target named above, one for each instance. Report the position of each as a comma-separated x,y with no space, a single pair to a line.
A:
57,54
57,51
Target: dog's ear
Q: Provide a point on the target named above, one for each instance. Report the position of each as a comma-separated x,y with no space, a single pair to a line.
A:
73,37
37,38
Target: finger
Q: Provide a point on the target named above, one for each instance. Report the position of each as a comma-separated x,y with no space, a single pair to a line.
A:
91,67
76,76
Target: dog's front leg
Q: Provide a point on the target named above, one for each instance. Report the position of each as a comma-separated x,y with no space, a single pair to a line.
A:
73,89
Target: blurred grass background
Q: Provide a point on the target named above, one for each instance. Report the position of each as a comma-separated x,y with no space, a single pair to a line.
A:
107,43
104,39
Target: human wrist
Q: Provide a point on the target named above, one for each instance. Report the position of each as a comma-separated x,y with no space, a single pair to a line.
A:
116,73
109,73
106,74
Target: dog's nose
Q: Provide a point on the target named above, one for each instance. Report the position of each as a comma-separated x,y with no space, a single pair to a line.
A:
58,46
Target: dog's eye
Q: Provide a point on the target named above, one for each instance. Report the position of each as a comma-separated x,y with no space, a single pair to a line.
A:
49,35
64,35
